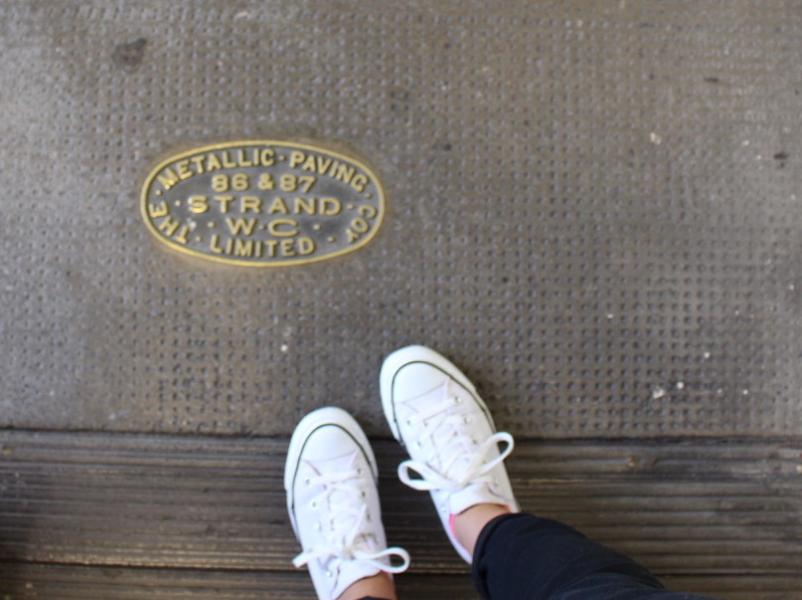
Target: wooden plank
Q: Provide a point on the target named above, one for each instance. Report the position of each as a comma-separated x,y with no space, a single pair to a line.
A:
73,582
739,587
702,507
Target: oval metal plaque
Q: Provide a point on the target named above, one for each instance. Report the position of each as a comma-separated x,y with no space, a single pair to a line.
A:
262,203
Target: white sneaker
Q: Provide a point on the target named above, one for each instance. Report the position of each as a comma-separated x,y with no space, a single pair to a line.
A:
436,413
330,478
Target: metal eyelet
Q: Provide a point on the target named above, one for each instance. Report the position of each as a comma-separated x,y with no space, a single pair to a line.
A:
307,481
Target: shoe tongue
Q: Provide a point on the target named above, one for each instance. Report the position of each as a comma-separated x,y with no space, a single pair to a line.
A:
335,464
457,470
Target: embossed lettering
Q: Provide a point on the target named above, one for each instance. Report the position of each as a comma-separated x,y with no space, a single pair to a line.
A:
250,203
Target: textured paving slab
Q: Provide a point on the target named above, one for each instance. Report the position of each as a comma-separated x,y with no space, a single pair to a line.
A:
592,206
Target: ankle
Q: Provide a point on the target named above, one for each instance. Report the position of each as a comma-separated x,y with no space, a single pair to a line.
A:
376,586
469,523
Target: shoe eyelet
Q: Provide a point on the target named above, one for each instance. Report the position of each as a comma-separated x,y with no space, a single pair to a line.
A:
359,471
329,574
419,444
307,481
364,494
409,422
313,504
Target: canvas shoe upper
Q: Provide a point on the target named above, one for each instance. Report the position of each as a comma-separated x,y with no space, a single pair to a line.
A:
330,478
448,432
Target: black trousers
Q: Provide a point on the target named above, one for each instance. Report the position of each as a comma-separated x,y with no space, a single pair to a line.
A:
523,557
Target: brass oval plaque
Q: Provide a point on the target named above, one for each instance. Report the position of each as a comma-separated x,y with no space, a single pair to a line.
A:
262,203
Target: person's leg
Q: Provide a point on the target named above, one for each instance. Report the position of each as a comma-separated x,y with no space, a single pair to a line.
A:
434,410
468,525
523,556
330,479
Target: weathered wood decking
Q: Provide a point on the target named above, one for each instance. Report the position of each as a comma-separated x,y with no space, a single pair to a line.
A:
81,514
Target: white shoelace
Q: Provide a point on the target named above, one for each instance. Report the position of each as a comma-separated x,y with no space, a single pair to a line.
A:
347,543
444,424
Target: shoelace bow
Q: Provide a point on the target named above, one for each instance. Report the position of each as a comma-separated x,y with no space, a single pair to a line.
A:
443,423
347,544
